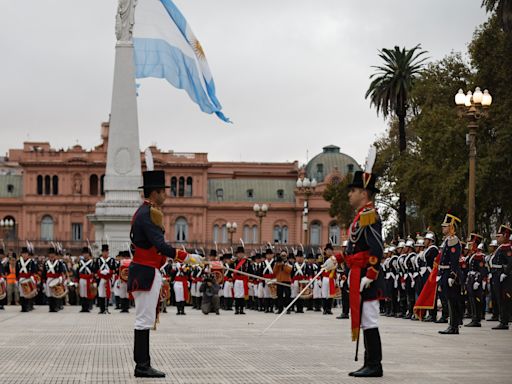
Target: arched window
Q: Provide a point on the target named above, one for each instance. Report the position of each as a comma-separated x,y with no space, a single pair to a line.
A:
320,172
315,235
93,185
247,234
278,233
39,185
47,185
284,235
224,234
188,189
181,230
255,237
181,187
334,234
102,185
47,228
55,185
216,233
174,186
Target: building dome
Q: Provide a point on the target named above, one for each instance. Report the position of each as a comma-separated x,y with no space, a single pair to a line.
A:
320,166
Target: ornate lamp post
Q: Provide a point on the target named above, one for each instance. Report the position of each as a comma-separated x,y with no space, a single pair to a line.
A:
6,226
307,187
260,211
473,106
231,227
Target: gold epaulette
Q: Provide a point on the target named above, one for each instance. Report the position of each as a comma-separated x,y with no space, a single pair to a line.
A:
368,217
157,217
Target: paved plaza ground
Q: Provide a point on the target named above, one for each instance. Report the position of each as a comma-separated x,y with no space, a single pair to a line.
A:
72,347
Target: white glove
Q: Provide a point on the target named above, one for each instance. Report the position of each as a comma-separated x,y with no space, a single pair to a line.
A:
365,283
476,284
423,270
341,283
104,272
438,278
450,282
502,277
414,275
412,283
484,284
193,259
403,285
330,264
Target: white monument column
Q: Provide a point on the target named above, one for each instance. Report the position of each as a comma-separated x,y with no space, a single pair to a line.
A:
123,174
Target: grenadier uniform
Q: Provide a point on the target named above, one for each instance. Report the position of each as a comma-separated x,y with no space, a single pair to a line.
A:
493,288
227,286
122,282
240,282
26,271
476,280
298,277
53,274
85,273
502,277
106,267
268,273
180,275
144,278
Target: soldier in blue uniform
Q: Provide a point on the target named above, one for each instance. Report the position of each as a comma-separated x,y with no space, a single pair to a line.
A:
363,256
502,275
451,274
144,278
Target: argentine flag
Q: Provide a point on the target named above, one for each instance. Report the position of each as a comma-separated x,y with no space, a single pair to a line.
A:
165,47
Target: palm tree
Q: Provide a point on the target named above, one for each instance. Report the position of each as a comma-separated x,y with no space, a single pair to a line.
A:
503,10
390,93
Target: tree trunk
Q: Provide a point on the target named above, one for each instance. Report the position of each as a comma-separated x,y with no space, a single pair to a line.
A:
402,215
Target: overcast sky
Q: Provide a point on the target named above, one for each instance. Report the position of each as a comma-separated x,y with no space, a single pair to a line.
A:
291,74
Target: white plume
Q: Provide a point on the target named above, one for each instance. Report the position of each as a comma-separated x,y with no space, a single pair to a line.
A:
370,159
149,159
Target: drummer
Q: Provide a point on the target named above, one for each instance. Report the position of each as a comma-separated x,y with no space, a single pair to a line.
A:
53,275
26,268
85,273
298,278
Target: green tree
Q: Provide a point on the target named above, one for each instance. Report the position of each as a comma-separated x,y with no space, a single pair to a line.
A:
503,10
390,93
336,193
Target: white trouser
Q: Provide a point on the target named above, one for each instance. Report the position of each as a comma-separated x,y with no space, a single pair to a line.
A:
261,291
198,289
193,289
238,287
295,289
102,287
228,285
47,287
82,287
325,288
370,314
122,290
317,289
179,290
145,304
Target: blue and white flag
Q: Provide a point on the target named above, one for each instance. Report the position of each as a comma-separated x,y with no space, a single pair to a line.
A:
165,47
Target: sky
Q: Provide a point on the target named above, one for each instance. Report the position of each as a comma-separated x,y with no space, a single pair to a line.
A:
291,74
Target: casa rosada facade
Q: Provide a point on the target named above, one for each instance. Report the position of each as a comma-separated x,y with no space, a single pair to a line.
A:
48,193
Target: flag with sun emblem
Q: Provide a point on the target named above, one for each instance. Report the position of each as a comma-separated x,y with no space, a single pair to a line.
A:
165,47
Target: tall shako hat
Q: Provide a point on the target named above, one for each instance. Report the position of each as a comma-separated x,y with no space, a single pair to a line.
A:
152,179
213,252
86,250
104,248
449,220
241,247
505,230
366,179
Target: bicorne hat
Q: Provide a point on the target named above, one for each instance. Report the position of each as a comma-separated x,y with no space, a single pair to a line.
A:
364,180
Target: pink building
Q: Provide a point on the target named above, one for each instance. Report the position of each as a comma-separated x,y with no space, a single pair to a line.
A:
49,192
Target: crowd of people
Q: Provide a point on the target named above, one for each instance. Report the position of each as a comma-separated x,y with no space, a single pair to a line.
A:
268,279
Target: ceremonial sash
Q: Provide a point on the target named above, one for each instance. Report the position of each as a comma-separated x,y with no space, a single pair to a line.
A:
149,257
332,286
184,281
356,262
427,297
245,279
88,278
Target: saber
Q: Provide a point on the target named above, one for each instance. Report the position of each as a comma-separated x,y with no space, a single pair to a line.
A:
270,281
294,300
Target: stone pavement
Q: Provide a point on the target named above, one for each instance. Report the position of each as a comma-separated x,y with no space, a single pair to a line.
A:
72,347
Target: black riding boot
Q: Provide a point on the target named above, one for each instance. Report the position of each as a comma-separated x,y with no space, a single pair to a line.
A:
23,303
142,357
453,327
101,304
365,357
125,305
373,366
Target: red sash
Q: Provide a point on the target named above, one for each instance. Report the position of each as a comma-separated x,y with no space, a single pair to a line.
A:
89,278
332,286
25,275
356,262
184,282
149,257
245,279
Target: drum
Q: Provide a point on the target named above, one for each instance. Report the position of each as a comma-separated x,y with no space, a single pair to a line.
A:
308,293
123,269
57,288
165,290
29,287
272,289
93,289
3,288
216,268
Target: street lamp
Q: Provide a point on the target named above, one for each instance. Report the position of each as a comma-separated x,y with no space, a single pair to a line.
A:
473,106
307,187
260,211
6,226
231,227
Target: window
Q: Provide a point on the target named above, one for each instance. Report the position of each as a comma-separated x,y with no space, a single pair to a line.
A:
47,228
255,237
315,233
188,189
76,231
10,188
47,185
250,193
174,186
334,234
280,193
181,228
39,185
277,234
55,185
102,185
284,235
220,194
350,168
93,185
216,233
247,234
181,187
320,172
224,234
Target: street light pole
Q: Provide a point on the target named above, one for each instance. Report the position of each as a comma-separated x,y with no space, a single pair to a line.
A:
260,211
307,187
231,227
472,106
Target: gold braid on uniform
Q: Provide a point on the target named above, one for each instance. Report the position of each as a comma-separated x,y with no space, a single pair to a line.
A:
157,217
